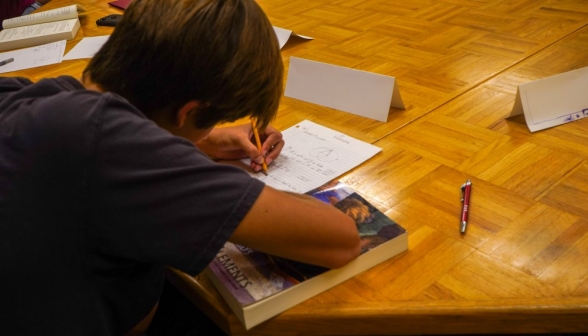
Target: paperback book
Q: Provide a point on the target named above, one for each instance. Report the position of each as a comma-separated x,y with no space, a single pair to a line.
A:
41,28
258,286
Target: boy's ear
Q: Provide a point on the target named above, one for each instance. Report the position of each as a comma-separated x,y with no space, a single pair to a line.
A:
183,112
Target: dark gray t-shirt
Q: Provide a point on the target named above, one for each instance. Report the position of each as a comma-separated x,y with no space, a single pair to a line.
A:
94,200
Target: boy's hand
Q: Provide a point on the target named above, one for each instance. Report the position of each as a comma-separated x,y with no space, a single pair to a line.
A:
237,142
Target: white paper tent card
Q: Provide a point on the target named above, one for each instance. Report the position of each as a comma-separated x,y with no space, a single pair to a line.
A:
553,100
359,92
284,35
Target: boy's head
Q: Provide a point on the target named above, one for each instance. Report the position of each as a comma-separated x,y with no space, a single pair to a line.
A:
222,53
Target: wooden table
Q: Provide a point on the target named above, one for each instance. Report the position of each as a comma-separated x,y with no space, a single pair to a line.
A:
522,267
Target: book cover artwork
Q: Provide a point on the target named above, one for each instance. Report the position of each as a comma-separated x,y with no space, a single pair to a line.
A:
252,276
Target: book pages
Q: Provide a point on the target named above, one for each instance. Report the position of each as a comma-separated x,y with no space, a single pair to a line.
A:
57,14
44,29
21,37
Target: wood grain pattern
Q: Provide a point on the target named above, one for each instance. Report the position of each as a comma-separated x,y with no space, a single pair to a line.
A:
521,267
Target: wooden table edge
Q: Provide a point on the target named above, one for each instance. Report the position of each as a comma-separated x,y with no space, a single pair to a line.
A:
536,315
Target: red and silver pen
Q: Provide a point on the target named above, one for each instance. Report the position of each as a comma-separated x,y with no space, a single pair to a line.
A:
466,190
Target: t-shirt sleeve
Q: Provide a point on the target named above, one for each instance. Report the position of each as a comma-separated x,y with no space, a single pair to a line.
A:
10,85
157,198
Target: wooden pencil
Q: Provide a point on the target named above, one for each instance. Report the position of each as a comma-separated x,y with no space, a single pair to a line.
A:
258,142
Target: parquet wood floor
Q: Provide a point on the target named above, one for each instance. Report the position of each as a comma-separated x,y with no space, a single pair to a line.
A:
437,50
522,266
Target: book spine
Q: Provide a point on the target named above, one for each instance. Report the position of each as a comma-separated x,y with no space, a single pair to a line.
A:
233,278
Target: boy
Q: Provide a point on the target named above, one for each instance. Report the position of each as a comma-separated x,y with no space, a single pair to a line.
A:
105,180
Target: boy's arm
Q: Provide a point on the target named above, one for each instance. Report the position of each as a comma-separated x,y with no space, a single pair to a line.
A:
299,227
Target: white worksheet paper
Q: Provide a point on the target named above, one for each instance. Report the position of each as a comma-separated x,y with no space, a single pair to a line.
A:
33,57
312,156
86,48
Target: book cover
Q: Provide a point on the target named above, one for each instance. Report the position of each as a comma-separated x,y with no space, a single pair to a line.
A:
121,4
258,286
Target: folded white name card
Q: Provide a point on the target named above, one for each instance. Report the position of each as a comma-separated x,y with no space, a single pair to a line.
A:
553,100
284,35
359,92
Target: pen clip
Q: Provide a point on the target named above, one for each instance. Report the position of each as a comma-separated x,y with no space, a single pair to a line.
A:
463,186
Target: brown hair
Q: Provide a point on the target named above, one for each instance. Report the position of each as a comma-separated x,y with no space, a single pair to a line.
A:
222,53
